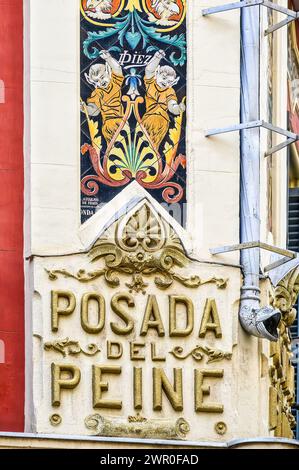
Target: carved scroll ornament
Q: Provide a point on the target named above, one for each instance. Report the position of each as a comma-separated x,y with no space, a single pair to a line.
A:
198,353
285,296
139,246
68,347
138,427
281,371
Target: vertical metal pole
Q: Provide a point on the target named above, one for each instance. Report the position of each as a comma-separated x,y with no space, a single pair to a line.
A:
250,150
256,320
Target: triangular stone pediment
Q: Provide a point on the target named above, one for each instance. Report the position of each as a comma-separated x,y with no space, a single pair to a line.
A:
123,206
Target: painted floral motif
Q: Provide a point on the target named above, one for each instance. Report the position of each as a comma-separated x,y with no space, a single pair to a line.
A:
133,99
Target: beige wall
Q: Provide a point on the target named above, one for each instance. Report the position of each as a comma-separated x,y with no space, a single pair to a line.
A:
277,163
213,206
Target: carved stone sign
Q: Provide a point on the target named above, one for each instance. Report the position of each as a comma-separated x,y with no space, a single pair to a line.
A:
133,339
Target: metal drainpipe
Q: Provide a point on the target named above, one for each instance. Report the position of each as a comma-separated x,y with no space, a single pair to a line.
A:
256,320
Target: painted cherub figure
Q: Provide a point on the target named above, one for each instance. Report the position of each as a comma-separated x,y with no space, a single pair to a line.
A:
165,9
160,99
99,9
106,99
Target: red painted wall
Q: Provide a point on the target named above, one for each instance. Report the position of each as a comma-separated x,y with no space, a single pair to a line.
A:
11,217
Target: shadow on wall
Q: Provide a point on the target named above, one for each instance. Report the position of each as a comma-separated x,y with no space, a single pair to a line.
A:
2,92
2,352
